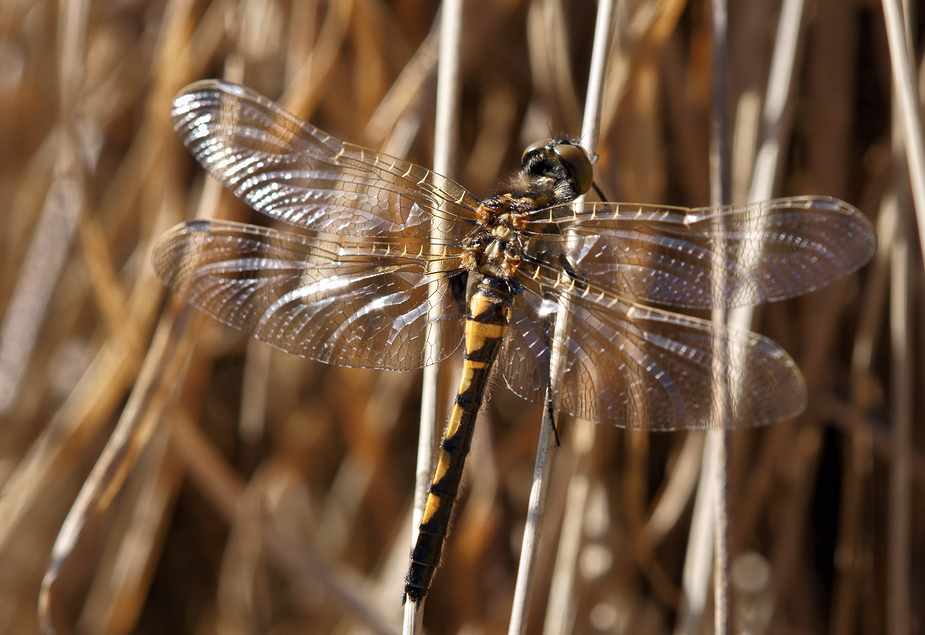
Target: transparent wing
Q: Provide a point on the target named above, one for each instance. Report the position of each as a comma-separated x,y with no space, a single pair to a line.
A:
293,172
644,368
769,250
346,303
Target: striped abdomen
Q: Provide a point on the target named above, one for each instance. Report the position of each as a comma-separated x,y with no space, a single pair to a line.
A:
486,322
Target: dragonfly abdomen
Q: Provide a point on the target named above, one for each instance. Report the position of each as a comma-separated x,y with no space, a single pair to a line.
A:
486,323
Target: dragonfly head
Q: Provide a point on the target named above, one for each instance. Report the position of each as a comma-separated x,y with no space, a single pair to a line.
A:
564,164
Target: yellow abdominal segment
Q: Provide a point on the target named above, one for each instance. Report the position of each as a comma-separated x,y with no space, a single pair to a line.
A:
433,504
478,332
465,382
453,425
479,304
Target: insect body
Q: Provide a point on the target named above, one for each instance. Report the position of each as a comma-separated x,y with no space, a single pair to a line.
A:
394,246
493,253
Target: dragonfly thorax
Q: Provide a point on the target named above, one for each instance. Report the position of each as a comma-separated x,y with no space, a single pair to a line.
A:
495,248
552,173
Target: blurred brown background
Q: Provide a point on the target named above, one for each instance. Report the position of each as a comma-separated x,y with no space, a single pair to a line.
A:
264,481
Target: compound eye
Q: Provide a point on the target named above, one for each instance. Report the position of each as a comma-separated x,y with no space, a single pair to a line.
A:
578,166
540,149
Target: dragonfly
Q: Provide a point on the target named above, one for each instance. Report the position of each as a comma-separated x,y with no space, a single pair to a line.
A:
556,295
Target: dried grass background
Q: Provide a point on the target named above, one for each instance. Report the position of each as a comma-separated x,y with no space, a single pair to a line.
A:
273,494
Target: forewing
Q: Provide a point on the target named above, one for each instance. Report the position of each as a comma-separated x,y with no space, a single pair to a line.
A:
708,257
345,303
644,368
293,172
